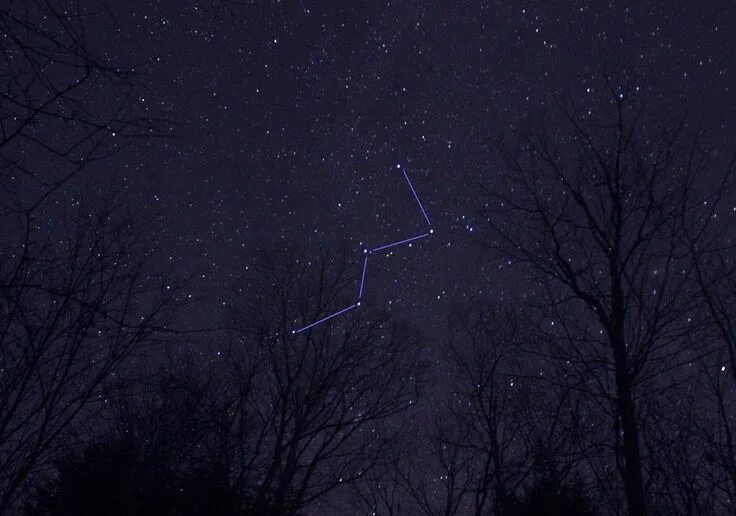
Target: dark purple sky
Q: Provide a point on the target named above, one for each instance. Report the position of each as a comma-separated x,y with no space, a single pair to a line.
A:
294,116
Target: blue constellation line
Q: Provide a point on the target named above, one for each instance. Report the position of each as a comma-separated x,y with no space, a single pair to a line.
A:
369,252
424,235
362,277
417,198
315,323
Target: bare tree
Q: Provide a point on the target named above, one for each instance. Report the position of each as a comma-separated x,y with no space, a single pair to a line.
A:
76,294
711,241
595,207
496,419
62,107
307,417
718,434
439,482
72,308
146,452
382,491
679,480
285,419
489,401
712,248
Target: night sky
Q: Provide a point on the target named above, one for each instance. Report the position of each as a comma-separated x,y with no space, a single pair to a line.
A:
295,116
293,122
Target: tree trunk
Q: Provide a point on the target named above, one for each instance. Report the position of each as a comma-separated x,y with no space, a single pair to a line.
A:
633,482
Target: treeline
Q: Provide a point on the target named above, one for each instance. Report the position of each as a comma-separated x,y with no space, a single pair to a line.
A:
610,390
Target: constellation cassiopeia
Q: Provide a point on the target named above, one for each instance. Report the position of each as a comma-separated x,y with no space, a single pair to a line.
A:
368,252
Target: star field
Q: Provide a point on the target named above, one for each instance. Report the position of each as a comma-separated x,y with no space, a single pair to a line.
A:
289,124
294,115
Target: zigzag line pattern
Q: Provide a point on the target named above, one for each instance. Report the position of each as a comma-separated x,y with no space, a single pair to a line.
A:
368,252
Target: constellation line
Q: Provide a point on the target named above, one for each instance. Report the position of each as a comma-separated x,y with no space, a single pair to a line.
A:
399,243
362,278
416,197
365,260
325,318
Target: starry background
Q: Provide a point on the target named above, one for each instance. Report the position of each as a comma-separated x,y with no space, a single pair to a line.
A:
292,118
293,121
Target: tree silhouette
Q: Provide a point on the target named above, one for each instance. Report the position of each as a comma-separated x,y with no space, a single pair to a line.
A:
547,497
76,291
119,478
70,315
549,494
308,411
596,207
496,417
